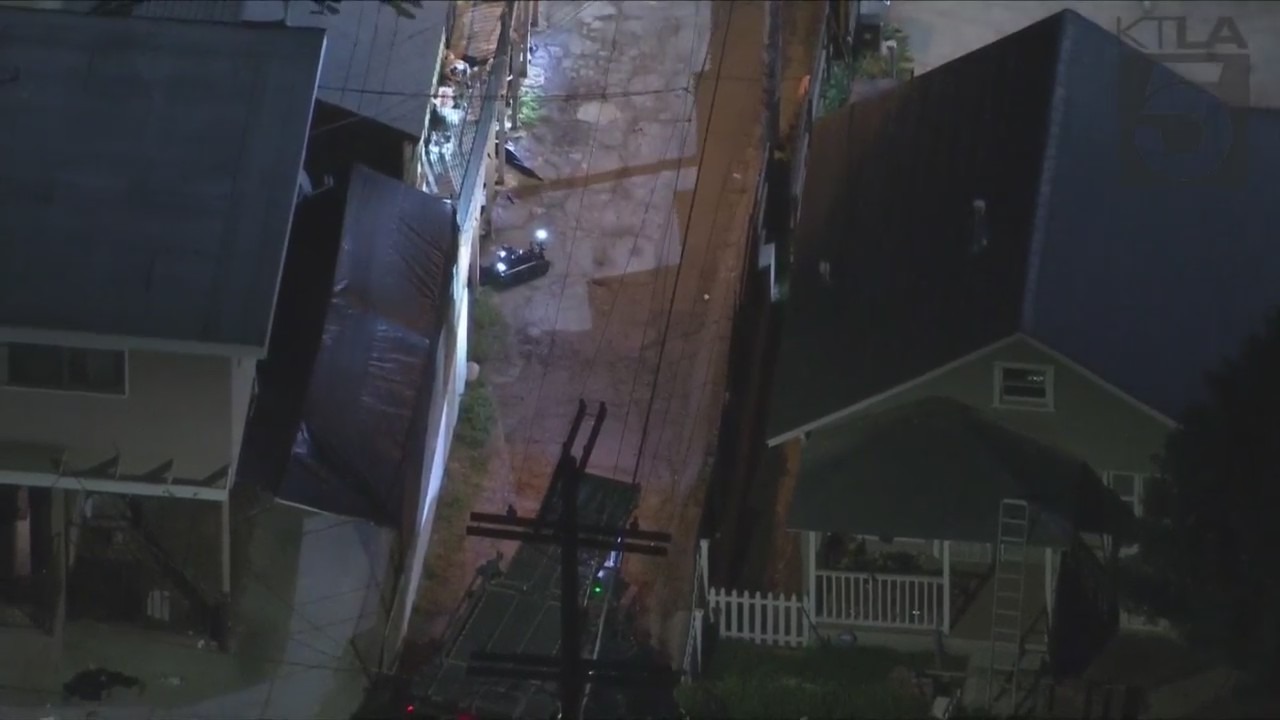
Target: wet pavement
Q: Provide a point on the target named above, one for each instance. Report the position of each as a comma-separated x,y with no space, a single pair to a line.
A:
632,121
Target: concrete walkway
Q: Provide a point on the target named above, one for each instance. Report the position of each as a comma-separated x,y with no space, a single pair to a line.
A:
940,30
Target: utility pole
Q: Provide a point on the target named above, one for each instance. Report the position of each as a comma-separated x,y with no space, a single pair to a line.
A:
570,669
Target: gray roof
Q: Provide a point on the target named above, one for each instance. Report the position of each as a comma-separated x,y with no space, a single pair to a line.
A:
1142,277
381,58
150,172
935,469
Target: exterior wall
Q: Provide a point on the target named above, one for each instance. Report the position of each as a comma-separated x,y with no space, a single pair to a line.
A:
1088,420
179,407
244,375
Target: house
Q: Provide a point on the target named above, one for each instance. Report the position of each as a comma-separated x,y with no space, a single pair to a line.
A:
1003,270
152,170
381,85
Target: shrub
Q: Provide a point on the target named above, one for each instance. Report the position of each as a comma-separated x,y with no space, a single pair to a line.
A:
476,416
488,330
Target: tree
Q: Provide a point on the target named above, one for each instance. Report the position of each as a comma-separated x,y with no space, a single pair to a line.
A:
1211,528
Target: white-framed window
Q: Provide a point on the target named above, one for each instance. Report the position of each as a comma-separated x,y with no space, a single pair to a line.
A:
64,369
1128,486
1023,387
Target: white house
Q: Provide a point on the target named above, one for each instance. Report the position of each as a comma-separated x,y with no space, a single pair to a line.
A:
151,171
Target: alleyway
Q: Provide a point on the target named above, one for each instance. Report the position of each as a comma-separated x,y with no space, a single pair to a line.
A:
650,158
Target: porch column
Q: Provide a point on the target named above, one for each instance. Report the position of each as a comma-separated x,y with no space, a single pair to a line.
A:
1048,584
946,587
226,547
810,543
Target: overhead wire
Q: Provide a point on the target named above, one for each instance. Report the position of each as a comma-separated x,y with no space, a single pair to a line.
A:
573,239
667,236
684,248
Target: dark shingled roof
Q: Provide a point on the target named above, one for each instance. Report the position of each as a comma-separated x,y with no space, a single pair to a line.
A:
1143,279
936,469
381,58
149,172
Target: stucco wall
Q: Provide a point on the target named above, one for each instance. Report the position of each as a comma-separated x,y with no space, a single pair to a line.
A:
178,408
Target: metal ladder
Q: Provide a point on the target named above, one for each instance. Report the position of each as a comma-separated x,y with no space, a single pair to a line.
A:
1006,605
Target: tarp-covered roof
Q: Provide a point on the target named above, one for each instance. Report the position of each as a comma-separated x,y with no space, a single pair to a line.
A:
935,469
1144,270
361,445
149,172
340,422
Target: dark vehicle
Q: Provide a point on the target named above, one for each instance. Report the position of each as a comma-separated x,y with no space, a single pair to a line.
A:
515,267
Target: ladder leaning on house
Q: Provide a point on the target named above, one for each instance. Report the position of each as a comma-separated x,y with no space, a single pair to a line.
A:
1006,604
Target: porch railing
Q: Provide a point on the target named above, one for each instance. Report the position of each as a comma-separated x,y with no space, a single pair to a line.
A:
854,598
758,617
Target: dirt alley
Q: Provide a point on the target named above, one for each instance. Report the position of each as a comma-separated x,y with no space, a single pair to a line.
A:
625,105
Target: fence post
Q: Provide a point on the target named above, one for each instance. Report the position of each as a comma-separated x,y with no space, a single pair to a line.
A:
704,547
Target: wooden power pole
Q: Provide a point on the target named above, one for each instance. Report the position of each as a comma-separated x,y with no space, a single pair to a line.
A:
570,670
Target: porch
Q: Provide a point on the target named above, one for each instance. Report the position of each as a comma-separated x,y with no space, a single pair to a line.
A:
930,588
903,531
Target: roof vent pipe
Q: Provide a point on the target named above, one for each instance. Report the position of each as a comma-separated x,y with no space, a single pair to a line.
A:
980,240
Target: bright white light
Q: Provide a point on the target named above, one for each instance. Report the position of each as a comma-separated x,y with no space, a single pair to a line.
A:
502,267
540,234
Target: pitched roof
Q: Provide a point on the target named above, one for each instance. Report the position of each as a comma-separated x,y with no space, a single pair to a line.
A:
935,469
1142,279
150,172
381,58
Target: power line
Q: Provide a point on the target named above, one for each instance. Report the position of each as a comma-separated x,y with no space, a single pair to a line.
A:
684,247
404,99
666,244
541,96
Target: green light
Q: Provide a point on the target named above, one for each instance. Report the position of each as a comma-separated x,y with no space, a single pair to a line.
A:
596,588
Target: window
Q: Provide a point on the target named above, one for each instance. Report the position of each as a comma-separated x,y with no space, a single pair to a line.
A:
1128,486
1024,386
52,367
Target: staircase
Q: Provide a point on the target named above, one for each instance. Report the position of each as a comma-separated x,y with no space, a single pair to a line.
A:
1006,663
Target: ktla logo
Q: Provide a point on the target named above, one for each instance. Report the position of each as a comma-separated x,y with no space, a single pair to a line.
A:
1184,101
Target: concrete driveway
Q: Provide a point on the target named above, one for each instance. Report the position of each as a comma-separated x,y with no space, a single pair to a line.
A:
940,31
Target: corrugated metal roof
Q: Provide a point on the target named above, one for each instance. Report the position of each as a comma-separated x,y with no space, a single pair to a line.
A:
149,173
381,59
1146,280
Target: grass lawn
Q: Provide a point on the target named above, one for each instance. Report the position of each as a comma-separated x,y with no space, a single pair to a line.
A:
745,680
465,475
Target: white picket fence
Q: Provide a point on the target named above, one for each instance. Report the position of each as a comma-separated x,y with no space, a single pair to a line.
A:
759,617
907,601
